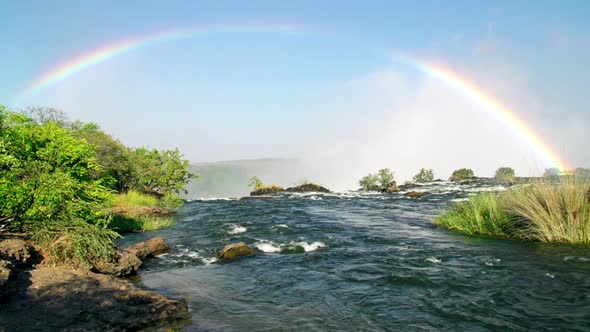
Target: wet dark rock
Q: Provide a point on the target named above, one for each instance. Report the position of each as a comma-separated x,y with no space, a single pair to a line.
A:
235,250
17,251
308,187
52,299
150,248
122,265
416,194
267,191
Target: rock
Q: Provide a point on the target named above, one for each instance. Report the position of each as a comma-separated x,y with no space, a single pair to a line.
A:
235,250
123,265
416,194
16,251
267,190
5,274
150,248
307,188
408,185
52,299
391,188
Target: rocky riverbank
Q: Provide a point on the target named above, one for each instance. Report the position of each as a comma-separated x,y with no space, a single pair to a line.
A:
35,297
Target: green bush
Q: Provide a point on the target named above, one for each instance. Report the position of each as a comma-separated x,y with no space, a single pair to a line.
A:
378,181
462,174
505,175
425,175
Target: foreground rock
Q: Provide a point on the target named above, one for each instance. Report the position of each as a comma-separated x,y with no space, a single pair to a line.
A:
124,264
52,299
16,251
235,250
307,188
416,194
150,248
267,191
5,274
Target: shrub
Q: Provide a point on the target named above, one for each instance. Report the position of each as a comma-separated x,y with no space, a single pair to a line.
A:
378,181
505,175
425,175
484,214
255,183
462,174
369,182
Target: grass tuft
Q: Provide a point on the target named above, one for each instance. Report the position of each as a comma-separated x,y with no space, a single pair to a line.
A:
545,211
138,212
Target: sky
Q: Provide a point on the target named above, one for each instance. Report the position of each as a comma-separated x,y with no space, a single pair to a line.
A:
315,80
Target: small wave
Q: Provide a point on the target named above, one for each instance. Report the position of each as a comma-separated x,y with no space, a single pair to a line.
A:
576,258
236,229
433,260
309,246
291,247
267,246
282,226
552,276
185,256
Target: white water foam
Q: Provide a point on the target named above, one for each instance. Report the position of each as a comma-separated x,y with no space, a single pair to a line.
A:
236,229
267,246
309,246
433,260
270,247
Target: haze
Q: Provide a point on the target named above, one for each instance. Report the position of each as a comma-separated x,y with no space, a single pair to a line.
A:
331,94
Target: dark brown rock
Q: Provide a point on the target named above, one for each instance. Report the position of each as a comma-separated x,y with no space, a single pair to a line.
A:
416,194
267,190
51,299
6,270
307,188
235,250
122,265
150,248
16,251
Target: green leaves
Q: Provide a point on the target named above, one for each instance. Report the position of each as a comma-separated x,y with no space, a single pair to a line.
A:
425,175
462,174
378,181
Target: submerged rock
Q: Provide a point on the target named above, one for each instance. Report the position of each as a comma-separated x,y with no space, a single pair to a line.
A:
59,299
235,250
416,194
308,187
16,251
391,187
267,190
124,264
150,248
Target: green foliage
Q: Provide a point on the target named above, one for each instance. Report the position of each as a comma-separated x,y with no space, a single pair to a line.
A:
255,183
139,223
135,198
545,211
505,175
158,171
462,174
551,173
385,177
46,189
425,175
483,214
378,181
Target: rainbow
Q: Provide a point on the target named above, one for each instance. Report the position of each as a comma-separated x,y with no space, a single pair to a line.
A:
453,80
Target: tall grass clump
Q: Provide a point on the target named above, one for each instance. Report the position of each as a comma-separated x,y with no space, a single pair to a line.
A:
484,214
553,212
139,212
544,211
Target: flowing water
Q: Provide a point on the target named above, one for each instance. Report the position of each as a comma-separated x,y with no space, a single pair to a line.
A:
352,262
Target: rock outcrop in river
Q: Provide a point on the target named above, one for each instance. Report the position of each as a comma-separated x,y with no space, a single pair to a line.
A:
308,187
235,250
267,190
59,298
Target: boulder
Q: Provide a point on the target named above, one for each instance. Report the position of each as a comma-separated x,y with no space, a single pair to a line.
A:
16,251
267,190
307,188
54,299
391,188
122,265
150,248
235,250
5,273
416,194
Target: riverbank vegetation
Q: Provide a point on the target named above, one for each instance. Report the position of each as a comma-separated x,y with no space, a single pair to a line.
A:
378,181
462,174
60,179
545,211
424,175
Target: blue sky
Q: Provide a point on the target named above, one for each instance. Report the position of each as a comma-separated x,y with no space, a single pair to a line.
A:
244,94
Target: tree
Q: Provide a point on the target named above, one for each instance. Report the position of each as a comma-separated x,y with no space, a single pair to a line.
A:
551,172
583,173
369,182
425,175
385,177
462,174
43,115
505,175
255,183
